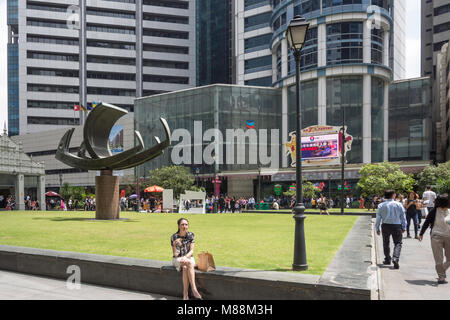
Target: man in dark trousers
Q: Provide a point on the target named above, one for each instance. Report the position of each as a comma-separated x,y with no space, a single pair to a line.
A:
391,216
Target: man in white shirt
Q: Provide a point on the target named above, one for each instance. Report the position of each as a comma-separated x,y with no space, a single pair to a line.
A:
428,198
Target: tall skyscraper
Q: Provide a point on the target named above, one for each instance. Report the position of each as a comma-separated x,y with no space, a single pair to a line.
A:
214,42
71,52
259,22
353,50
435,33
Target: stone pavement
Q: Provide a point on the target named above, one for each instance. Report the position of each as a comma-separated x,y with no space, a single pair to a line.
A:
17,286
416,279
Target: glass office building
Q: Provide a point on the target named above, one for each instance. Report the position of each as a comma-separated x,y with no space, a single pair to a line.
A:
345,68
214,41
410,115
197,110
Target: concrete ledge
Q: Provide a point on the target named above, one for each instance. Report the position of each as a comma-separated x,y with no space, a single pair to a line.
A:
159,277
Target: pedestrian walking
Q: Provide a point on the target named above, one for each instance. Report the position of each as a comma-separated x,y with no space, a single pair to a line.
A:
429,196
323,205
411,213
391,222
439,220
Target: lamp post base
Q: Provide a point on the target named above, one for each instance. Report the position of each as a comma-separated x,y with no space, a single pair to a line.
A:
299,242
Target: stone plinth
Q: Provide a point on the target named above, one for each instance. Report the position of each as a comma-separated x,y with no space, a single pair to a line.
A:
107,196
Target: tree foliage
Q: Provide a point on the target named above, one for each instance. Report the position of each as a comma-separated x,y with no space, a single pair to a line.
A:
438,176
376,178
309,190
178,178
67,191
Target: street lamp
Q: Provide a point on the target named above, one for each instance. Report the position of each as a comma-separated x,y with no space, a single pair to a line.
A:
329,186
296,34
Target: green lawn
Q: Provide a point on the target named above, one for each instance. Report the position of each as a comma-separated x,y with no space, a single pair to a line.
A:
254,241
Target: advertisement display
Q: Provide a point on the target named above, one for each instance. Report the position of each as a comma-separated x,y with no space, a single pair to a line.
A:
321,145
324,147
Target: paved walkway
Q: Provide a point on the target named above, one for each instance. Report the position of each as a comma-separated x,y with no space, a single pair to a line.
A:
17,286
416,279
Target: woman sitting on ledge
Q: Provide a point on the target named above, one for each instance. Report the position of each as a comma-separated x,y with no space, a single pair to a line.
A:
182,243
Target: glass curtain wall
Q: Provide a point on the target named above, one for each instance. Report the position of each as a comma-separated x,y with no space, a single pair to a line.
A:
377,113
346,92
409,118
234,107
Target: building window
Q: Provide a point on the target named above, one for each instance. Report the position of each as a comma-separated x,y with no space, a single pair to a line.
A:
46,23
46,7
258,64
167,4
50,104
279,22
165,79
52,72
336,3
251,4
377,46
111,45
166,49
51,88
344,43
111,76
111,60
111,91
260,82
52,40
166,34
51,56
307,6
110,13
166,18
258,43
166,64
109,29
442,9
53,121
257,21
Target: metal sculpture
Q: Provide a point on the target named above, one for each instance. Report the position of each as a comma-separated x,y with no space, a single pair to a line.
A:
96,133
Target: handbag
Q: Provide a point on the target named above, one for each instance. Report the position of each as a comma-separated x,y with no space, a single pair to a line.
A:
206,262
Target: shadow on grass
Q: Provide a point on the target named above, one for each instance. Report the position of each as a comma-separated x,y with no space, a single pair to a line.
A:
58,219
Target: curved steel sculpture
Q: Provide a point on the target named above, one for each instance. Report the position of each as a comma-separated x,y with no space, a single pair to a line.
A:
96,133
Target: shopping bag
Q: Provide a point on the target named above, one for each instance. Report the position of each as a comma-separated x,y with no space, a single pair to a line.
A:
206,262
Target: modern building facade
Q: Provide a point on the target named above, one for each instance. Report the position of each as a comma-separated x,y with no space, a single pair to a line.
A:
260,22
345,65
20,175
410,120
442,97
435,32
214,28
244,124
62,53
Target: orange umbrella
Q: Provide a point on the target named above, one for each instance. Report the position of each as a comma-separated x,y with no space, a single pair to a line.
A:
154,189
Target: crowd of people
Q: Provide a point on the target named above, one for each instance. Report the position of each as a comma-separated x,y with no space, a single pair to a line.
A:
8,202
394,216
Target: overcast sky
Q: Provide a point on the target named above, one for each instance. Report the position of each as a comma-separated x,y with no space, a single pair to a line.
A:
412,50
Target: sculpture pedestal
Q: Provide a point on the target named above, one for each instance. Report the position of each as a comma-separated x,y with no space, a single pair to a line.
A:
107,196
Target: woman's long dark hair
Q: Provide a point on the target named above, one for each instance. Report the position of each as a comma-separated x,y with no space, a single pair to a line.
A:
441,201
179,221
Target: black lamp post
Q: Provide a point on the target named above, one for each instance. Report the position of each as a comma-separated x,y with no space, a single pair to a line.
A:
296,34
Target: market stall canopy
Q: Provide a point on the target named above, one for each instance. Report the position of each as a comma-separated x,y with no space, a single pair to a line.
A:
154,189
